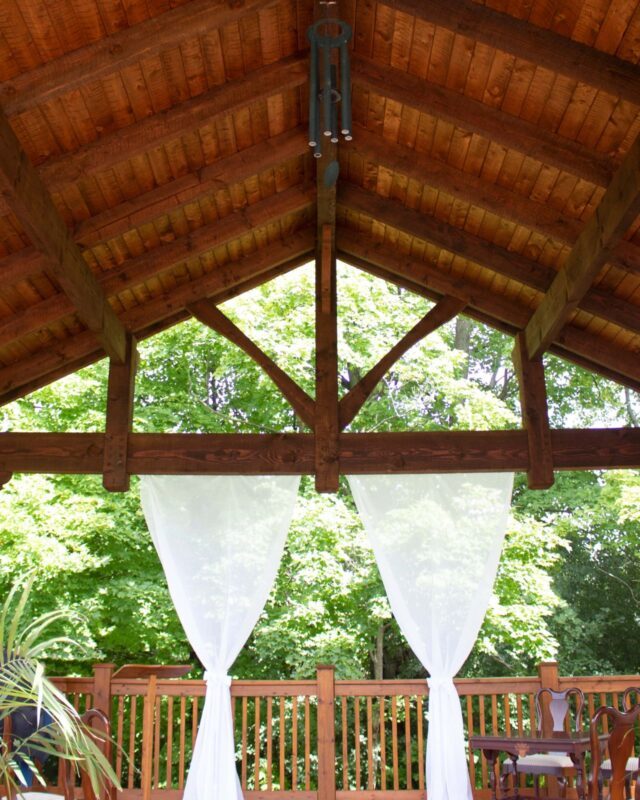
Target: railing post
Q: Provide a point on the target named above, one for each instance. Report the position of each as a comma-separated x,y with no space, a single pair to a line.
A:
326,732
102,674
148,715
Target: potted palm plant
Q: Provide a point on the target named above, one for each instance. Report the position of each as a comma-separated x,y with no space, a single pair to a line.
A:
36,719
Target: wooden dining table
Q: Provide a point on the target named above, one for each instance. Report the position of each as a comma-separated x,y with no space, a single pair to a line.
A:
575,745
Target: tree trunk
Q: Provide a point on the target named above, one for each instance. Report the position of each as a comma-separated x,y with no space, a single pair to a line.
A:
463,339
378,656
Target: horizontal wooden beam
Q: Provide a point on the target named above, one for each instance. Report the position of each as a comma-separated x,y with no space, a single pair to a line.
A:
209,314
22,188
121,49
505,203
360,453
442,312
540,46
154,262
219,285
611,220
476,117
481,251
592,351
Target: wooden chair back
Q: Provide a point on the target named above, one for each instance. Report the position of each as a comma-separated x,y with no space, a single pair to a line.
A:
620,743
631,697
559,707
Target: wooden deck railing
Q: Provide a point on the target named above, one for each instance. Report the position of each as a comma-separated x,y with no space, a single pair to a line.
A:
319,739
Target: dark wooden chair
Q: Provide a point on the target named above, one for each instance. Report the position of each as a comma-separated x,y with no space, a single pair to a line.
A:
555,765
611,769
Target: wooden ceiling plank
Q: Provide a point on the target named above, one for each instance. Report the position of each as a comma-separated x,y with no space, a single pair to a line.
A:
622,366
293,453
537,45
152,263
106,56
32,204
505,129
120,395
175,122
218,285
208,313
504,203
491,256
612,218
444,310
535,415
192,187
168,197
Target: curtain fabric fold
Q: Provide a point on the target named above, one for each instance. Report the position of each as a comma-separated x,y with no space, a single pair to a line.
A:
220,540
437,542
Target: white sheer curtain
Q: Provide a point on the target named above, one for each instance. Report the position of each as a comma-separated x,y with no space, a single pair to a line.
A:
220,540
437,542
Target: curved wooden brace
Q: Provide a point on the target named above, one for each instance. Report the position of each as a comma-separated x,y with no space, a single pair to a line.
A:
442,312
207,312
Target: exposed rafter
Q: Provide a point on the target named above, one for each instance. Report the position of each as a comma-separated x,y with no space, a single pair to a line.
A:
617,210
135,271
442,312
505,129
119,50
218,285
592,351
207,312
400,277
491,256
540,46
504,203
31,203
177,121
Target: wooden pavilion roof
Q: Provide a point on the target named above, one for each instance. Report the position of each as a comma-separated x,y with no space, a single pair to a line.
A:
170,165
172,138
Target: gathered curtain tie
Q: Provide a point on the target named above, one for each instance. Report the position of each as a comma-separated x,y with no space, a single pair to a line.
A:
439,681
217,677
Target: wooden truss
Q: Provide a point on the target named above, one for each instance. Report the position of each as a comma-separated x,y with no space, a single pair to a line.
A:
328,450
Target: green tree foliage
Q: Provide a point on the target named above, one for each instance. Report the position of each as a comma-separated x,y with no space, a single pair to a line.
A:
90,551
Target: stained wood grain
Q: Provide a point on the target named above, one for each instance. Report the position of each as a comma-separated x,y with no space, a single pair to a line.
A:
507,129
31,203
120,394
535,415
87,64
616,211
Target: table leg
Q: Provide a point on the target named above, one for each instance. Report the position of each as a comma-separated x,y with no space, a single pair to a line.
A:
492,756
581,778
504,781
